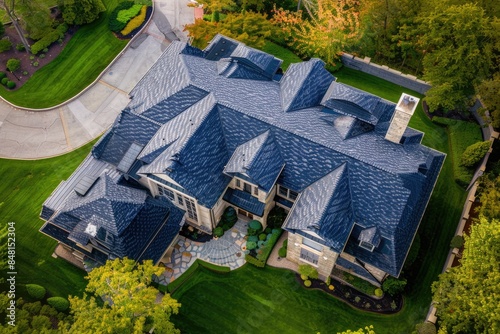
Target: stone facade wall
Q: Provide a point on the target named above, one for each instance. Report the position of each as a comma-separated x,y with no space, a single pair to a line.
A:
386,73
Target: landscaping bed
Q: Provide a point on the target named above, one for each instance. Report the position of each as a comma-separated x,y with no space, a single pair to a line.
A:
357,299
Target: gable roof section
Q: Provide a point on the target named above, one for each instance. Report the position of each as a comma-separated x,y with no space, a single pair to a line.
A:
325,209
353,102
259,159
304,85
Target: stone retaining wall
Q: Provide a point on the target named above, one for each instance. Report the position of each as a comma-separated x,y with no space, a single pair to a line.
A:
386,73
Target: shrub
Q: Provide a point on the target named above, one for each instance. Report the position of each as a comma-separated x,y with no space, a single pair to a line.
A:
328,280
282,252
276,217
2,75
251,245
268,230
32,57
11,84
4,81
393,305
331,287
125,15
25,73
218,232
307,283
42,56
13,64
393,286
62,29
250,259
36,291
20,47
254,227
303,277
308,270
262,236
228,219
474,153
113,24
43,43
357,299
378,292
136,22
426,328
260,244
5,45
457,241
35,64
268,247
253,238
59,303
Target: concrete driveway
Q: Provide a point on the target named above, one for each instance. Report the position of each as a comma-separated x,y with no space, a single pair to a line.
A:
32,134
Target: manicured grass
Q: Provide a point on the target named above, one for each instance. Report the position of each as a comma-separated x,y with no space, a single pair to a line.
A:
286,55
268,300
88,52
25,186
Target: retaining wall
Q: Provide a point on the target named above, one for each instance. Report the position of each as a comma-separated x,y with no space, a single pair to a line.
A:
384,72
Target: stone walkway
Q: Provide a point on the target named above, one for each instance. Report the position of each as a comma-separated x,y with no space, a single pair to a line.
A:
225,251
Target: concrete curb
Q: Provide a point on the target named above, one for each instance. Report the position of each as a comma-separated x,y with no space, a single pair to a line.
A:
139,33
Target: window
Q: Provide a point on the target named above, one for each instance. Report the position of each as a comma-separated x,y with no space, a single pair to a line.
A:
312,244
180,200
247,188
191,209
238,183
308,256
366,245
290,194
166,192
256,191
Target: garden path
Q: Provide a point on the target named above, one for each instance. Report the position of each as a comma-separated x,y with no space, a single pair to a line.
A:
224,251
35,134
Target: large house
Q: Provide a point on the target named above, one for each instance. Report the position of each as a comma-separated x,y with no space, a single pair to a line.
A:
208,129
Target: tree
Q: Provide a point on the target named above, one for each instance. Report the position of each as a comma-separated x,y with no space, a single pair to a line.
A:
130,301
425,328
490,197
393,286
8,7
249,28
458,43
36,19
331,27
474,153
81,11
488,91
13,64
216,6
467,296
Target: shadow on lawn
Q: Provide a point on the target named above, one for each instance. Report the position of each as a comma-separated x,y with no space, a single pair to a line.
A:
384,305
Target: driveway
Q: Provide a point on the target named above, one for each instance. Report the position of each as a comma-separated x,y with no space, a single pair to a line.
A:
32,134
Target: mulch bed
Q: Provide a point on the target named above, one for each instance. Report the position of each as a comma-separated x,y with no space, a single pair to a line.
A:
356,298
27,64
194,235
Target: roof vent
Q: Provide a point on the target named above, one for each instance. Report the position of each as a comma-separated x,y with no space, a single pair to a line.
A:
401,117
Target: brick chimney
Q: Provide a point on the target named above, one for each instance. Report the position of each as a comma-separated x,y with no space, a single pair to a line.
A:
404,110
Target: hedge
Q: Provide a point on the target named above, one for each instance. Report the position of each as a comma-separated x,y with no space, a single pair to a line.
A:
50,38
258,263
136,22
265,250
59,303
5,45
115,25
36,291
126,15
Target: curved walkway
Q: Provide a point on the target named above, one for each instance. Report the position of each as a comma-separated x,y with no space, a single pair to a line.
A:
27,134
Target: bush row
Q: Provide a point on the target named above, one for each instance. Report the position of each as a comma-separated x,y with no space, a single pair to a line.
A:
114,24
265,248
126,15
50,38
136,22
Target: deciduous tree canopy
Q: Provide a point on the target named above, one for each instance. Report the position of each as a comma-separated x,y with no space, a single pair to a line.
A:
467,297
82,11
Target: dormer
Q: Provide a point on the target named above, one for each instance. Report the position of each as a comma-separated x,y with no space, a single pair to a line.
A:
369,238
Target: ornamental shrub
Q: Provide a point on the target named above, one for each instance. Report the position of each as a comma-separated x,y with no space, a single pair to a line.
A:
303,277
268,247
474,153
262,236
5,45
45,41
11,84
126,15
378,292
331,287
136,22
251,245
4,81
2,75
59,303
457,241
20,47
282,252
218,231
13,64
307,283
36,291
253,238
308,270
113,24
254,227
393,286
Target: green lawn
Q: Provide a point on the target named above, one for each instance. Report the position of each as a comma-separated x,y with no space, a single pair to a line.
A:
89,51
268,300
286,55
25,186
